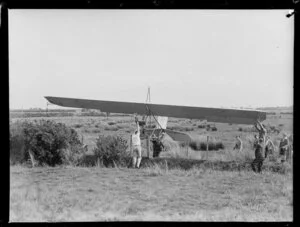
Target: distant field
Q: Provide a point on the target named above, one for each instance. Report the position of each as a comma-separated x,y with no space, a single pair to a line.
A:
89,127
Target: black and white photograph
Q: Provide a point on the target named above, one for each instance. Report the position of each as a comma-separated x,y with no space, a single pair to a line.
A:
151,115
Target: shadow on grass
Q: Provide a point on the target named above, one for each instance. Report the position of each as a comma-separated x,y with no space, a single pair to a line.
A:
187,164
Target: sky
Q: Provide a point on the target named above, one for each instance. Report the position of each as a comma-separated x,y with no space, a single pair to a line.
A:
208,58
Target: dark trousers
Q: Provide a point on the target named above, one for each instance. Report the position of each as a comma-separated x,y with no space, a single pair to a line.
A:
257,164
156,153
267,152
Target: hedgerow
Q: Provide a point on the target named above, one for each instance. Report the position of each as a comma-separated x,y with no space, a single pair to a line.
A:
50,143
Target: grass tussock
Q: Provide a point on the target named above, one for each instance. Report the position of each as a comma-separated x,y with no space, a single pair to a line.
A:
78,126
238,162
181,128
111,128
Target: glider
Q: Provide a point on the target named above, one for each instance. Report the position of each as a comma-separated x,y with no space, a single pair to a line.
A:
233,116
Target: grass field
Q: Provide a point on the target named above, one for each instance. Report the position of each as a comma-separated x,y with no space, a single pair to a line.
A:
155,193
112,194
90,128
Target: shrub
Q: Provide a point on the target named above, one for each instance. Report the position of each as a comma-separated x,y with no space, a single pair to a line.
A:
247,129
51,143
211,128
180,128
96,131
214,128
202,126
17,151
111,150
112,128
273,129
74,154
189,129
202,146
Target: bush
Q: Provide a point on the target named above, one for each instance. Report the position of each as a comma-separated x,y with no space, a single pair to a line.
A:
74,155
51,143
201,145
210,127
214,128
202,126
17,147
180,128
247,129
111,150
111,128
273,129
96,131
188,129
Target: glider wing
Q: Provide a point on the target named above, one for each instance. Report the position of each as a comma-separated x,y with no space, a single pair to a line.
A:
234,116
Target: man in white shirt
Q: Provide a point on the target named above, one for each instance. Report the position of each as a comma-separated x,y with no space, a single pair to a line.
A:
269,147
239,144
136,146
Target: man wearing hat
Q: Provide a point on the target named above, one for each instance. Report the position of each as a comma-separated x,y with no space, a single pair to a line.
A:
157,144
255,141
283,147
259,157
269,147
239,144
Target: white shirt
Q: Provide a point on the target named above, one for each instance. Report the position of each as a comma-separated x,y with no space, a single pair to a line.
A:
136,141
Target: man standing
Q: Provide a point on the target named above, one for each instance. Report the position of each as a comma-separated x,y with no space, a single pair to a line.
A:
269,147
255,141
136,146
158,146
239,144
262,131
283,147
259,157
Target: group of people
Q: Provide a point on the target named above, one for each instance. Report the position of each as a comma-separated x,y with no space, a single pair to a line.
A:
263,146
